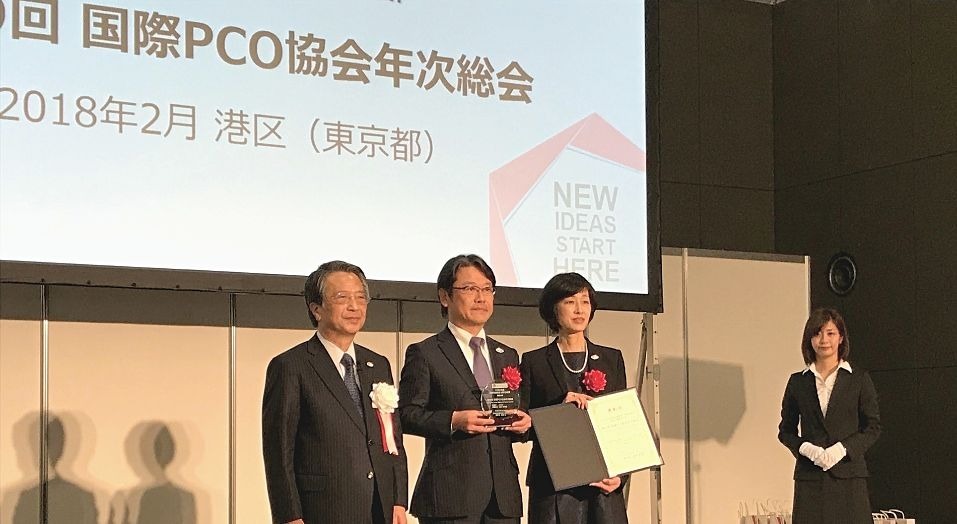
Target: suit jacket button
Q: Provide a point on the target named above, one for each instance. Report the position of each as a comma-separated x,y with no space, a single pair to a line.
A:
370,442
370,475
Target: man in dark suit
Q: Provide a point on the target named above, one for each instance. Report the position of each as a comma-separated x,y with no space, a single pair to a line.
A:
469,475
332,452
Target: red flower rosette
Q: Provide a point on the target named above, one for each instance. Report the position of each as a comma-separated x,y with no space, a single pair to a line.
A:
512,377
594,380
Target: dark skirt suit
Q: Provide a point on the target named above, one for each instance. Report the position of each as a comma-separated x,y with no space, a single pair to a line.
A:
838,495
545,382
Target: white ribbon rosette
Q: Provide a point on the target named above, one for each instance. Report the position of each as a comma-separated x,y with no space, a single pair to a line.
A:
385,400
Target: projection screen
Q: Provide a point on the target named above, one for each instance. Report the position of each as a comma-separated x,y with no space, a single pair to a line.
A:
266,137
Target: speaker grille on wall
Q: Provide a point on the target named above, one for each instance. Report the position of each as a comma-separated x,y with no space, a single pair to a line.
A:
841,273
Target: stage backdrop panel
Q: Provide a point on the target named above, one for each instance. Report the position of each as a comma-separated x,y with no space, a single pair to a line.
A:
20,367
254,349
140,381
745,320
668,343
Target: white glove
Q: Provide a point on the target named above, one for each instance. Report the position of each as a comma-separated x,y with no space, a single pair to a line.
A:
832,456
812,452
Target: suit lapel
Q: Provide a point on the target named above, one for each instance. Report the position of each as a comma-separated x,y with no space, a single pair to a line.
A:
841,383
329,374
450,348
554,358
810,393
497,357
367,376
596,359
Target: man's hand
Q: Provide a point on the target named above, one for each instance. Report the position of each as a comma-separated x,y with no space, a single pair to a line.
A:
472,421
297,521
398,515
607,485
579,399
521,424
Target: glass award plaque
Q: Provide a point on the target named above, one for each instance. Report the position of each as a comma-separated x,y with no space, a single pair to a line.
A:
498,400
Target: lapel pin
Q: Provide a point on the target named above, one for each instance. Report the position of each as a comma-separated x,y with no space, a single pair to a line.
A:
594,357
499,350
369,364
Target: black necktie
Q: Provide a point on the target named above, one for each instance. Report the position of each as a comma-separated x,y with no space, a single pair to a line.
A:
350,380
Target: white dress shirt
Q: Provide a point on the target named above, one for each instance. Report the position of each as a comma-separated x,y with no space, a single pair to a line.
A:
463,337
826,385
335,353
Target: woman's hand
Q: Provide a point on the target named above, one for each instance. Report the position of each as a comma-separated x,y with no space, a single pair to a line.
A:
607,485
579,399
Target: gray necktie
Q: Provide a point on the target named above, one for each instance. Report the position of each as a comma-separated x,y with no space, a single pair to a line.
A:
479,366
350,381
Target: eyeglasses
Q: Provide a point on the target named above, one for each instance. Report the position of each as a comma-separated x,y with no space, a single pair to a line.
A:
475,290
340,299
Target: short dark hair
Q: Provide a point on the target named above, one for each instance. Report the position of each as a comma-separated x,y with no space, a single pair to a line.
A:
558,288
452,266
316,283
815,322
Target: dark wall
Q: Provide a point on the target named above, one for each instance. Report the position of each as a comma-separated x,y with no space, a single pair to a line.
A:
716,125
815,127
865,162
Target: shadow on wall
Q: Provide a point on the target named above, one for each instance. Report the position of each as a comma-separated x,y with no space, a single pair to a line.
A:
717,401
67,501
151,451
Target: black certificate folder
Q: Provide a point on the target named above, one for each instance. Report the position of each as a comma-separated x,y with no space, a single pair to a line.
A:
611,438
569,444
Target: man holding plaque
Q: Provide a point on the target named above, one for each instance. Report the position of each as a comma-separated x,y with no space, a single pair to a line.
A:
469,475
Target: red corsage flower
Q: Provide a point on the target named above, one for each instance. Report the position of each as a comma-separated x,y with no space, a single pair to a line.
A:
594,380
512,377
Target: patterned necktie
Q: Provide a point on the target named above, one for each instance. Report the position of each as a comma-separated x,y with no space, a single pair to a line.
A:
350,381
479,366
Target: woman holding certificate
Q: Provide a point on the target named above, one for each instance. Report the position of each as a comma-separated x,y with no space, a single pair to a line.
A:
835,406
571,369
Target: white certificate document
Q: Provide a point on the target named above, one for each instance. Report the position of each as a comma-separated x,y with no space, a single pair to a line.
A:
624,435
